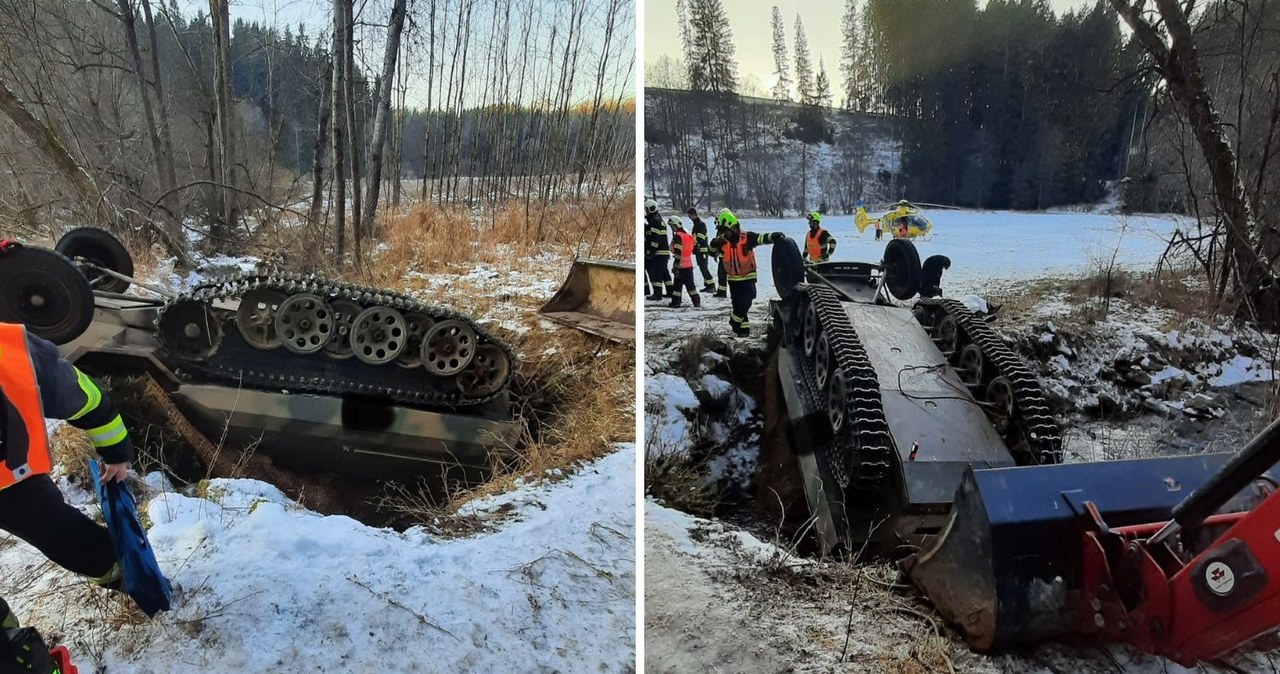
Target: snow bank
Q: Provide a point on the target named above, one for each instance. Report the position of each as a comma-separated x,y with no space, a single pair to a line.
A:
265,585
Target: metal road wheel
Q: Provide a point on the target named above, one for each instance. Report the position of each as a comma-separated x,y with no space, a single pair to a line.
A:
378,335
190,330
448,347
946,334
304,323
419,324
487,373
811,329
42,290
999,399
822,363
837,398
344,314
256,317
969,366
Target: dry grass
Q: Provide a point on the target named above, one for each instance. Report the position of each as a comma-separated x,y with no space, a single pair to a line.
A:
429,238
72,450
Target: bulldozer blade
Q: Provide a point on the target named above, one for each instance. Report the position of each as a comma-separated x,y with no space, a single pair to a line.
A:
1006,568
598,297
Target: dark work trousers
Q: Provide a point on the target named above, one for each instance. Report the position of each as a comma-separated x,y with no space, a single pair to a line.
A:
705,269
722,277
684,281
741,295
35,511
659,275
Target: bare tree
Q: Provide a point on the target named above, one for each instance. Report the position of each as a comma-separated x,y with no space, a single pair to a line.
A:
1177,62
228,197
379,140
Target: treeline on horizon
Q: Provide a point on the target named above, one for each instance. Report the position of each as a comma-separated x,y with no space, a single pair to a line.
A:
151,120
1005,106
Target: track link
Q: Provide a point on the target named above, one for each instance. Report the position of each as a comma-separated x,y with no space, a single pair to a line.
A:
1032,420
859,454
236,361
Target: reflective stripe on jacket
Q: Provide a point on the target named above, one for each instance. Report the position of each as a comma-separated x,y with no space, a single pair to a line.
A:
24,444
819,245
739,262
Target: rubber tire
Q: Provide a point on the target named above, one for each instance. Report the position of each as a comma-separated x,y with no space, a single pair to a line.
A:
66,280
788,267
101,248
902,257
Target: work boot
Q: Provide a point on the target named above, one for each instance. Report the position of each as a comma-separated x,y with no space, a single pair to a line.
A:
709,288
657,297
722,293
675,302
112,580
697,301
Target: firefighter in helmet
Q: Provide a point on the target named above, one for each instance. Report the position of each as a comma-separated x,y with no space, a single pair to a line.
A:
656,251
819,244
738,258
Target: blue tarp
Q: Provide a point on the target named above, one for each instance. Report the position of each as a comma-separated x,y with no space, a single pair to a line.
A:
142,577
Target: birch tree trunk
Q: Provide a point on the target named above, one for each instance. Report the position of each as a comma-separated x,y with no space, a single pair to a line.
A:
383,100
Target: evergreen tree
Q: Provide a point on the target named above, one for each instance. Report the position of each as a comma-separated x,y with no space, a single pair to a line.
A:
849,55
686,40
822,87
781,68
711,64
804,66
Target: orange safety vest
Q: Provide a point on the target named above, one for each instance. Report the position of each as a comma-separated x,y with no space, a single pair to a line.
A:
739,263
687,245
814,243
25,447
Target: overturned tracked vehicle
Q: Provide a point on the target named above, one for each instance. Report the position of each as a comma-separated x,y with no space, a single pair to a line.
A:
916,433
319,375
885,406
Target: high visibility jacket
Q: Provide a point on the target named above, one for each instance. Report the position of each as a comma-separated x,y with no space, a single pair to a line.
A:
655,236
683,246
24,445
739,257
819,245
36,383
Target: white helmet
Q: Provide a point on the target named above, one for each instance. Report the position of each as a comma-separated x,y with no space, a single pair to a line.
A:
650,206
675,222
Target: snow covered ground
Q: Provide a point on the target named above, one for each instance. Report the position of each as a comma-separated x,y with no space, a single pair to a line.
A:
265,585
722,598
718,599
988,249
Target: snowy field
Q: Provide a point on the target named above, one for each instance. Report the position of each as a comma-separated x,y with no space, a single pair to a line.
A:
264,585
988,249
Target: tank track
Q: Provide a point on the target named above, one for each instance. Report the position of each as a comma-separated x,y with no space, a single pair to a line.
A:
236,361
859,455
1033,420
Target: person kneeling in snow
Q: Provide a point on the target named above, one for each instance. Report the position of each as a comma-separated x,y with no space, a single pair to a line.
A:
35,383
738,258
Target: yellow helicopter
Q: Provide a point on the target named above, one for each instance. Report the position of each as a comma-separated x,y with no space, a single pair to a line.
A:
903,222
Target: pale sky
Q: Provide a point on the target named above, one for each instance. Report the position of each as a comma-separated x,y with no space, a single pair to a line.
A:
753,32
